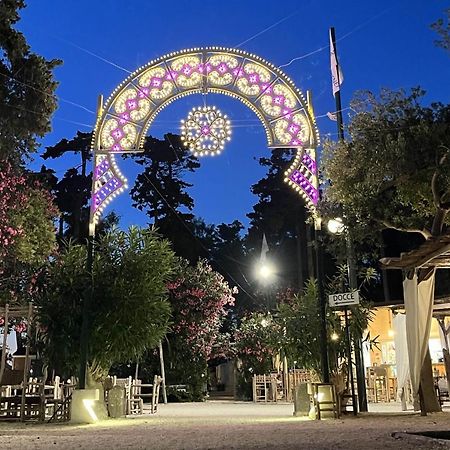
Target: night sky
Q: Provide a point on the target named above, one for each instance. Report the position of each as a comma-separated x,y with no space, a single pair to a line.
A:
380,44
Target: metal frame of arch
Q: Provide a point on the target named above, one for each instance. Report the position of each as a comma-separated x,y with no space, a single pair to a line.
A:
123,121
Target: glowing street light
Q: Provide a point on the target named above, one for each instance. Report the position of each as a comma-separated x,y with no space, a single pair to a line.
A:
265,271
336,226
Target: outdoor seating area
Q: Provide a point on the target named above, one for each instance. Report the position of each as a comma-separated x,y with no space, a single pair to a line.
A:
380,385
36,401
277,386
139,398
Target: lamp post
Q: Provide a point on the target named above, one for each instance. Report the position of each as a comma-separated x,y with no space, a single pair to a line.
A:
337,226
322,300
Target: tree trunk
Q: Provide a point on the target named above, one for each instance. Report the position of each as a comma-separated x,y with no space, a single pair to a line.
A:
310,252
430,400
61,227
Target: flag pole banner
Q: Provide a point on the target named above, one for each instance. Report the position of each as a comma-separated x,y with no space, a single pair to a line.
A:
337,77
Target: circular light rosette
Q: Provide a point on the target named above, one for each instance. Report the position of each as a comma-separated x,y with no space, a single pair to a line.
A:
205,131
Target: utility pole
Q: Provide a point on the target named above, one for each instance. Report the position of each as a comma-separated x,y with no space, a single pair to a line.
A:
89,295
322,300
360,375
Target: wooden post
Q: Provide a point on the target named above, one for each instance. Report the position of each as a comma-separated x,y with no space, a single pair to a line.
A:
26,365
5,337
163,372
136,372
286,386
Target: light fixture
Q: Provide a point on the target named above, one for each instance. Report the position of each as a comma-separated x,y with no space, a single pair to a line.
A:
265,271
335,226
205,131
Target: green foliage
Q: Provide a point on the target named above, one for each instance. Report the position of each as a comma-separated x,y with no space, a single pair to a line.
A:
258,340
27,233
27,86
300,316
394,170
129,312
35,218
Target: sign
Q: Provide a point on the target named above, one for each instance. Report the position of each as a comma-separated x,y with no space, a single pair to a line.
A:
344,299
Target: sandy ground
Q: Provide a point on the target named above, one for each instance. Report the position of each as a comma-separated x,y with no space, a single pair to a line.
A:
232,425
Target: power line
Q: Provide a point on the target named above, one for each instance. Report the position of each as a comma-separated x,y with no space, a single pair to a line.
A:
268,28
92,54
44,115
52,95
358,27
163,198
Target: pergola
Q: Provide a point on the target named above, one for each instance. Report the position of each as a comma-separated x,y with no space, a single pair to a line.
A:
433,253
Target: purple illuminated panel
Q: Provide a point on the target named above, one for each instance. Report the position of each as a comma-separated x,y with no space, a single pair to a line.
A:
309,163
112,185
101,168
300,180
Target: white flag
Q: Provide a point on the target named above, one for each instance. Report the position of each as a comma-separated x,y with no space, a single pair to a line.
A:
332,116
264,250
337,77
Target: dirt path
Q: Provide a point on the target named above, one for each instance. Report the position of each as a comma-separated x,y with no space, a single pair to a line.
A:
216,425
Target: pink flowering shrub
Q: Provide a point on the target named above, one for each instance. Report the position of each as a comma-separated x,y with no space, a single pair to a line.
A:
200,298
257,340
27,232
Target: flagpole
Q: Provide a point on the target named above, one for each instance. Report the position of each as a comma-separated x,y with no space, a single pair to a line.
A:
337,94
360,375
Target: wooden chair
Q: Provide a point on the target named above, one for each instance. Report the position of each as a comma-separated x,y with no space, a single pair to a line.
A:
265,388
260,388
324,399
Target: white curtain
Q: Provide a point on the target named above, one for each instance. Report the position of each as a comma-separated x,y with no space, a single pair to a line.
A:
419,307
401,351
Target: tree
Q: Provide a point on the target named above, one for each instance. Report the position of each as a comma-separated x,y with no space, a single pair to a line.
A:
199,298
281,214
73,191
442,27
394,172
27,89
258,340
27,233
129,310
162,193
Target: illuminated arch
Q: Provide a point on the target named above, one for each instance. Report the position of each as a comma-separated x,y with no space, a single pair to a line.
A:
124,120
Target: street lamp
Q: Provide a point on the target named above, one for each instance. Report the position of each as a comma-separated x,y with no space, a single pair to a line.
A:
265,271
337,226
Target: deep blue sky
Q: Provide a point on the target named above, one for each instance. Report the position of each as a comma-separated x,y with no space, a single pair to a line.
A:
388,44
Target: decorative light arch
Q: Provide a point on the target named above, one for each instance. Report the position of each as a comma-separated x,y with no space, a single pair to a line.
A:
123,122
